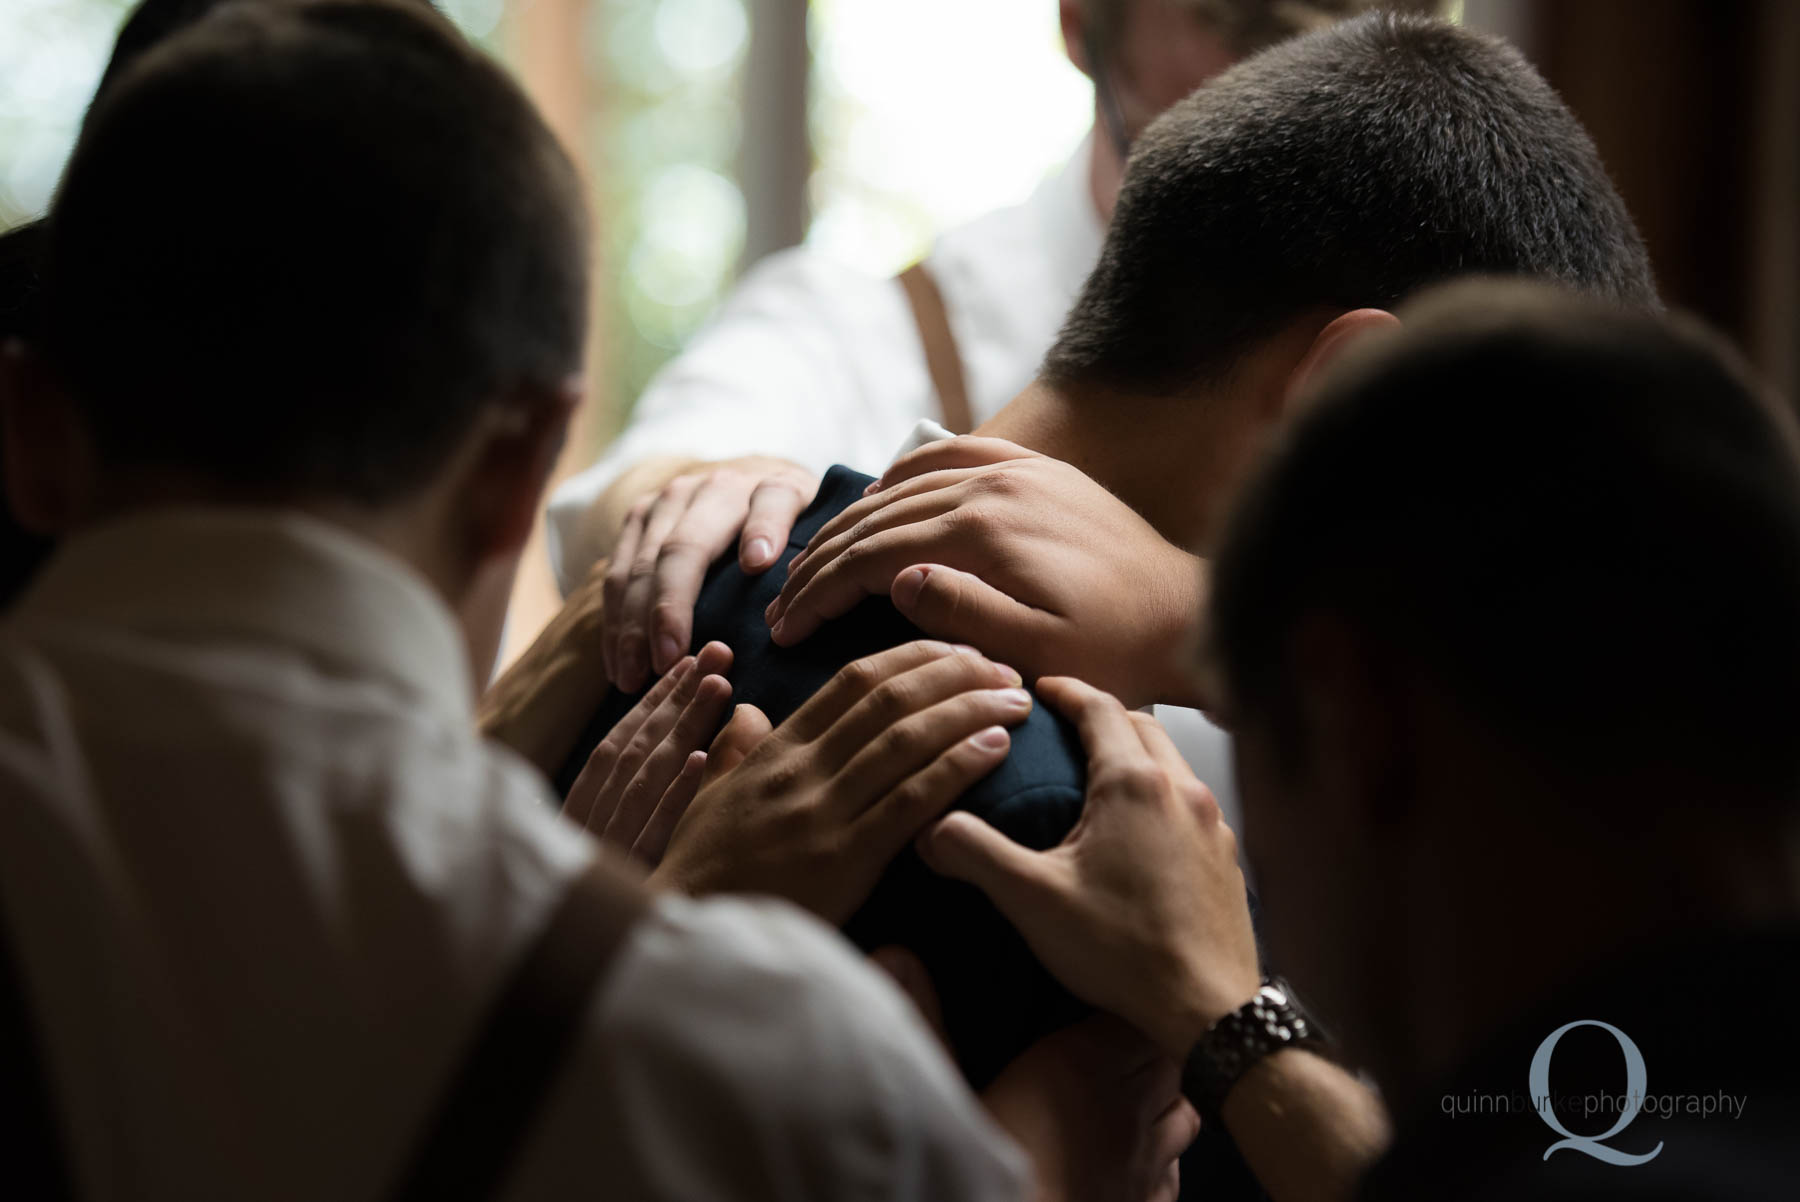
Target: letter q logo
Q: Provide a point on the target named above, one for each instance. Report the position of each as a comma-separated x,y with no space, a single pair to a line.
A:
1635,1078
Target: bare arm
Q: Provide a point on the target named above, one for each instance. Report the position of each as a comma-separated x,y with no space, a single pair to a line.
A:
538,705
1307,1128
1142,911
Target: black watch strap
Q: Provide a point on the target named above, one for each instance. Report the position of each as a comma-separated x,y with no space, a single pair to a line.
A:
1268,1022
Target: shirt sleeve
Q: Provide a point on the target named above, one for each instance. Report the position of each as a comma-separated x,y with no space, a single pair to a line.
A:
741,1050
808,360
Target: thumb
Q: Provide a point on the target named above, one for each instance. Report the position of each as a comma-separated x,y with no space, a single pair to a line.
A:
770,520
954,605
965,848
748,727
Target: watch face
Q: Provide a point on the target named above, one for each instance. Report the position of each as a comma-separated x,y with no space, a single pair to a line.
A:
1282,994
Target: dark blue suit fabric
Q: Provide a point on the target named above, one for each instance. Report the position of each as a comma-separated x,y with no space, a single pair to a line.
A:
997,999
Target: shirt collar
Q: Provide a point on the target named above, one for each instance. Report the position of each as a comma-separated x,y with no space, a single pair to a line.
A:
278,575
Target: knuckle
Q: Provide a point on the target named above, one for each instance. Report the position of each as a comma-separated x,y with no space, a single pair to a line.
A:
1001,482
676,549
852,555
1228,840
904,740
859,676
1199,798
668,612
1134,779
891,700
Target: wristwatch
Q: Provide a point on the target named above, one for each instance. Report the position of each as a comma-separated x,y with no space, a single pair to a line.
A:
1268,1022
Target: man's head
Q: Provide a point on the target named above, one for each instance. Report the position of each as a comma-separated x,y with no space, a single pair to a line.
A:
1506,635
1335,173
321,254
1144,55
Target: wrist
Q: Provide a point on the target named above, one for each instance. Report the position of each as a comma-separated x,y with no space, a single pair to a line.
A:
1240,1042
1173,648
1192,1018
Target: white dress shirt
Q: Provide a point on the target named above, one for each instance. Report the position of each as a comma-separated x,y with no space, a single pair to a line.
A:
821,364
262,878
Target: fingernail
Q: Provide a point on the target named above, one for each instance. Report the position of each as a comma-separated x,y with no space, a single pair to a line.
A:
907,587
759,552
772,611
1016,698
1011,674
775,631
994,738
667,651
874,487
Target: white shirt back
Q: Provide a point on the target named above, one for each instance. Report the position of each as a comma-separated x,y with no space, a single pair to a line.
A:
262,880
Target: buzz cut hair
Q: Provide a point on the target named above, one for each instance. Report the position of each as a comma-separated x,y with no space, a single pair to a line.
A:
1343,169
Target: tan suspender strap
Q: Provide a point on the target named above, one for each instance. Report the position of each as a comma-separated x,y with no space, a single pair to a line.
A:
941,357
495,1096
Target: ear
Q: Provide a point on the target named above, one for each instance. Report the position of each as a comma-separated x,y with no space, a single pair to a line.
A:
1354,726
1340,332
519,443
45,453
1074,34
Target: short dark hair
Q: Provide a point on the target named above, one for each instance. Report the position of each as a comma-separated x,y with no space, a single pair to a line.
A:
1343,169
1582,522
22,248
299,244
149,23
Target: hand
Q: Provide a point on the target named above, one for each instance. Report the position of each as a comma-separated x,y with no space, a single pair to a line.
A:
981,541
671,536
638,782
1096,1106
1141,911
819,806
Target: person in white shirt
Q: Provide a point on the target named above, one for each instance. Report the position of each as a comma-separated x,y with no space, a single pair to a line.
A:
317,301
810,364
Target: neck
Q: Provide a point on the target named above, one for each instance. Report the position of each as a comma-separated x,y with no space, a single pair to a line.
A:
1106,170
1162,460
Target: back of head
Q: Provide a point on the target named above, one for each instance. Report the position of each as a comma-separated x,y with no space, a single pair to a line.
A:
1341,170
1581,523
299,245
148,24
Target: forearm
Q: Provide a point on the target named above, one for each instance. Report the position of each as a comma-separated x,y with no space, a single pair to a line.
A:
1172,656
1307,1128
538,705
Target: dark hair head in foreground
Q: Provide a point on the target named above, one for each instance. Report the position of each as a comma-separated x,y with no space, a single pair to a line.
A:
300,245
1341,170
1581,524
